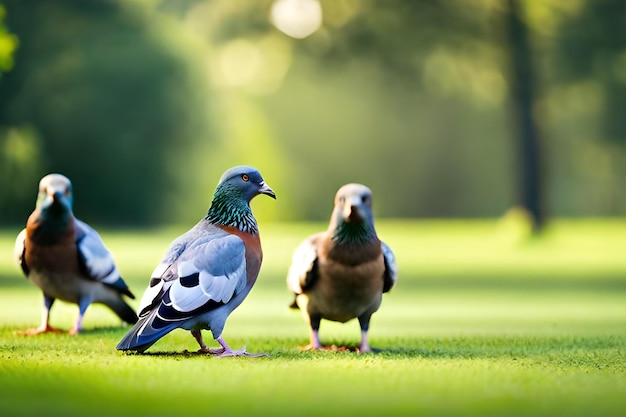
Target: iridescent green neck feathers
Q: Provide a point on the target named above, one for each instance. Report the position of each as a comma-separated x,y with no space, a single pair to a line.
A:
229,208
353,233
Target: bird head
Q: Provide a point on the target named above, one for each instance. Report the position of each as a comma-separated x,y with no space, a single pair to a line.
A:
231,201
353,204
352,220
245,182
55,193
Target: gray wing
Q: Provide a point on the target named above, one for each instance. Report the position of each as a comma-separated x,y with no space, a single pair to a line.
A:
391,268
96,259
165,272
207,273
303,270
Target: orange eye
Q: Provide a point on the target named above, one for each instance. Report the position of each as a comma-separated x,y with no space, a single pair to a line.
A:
245,177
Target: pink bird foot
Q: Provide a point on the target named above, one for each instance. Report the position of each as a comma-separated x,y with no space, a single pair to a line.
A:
239,352
222,352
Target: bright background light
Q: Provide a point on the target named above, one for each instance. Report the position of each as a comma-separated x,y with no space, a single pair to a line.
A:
297,18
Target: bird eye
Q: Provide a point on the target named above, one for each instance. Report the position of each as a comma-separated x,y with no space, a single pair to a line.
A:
365,199
245,177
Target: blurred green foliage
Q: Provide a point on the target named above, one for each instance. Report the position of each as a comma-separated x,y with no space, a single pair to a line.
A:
145,103
108,94
8,44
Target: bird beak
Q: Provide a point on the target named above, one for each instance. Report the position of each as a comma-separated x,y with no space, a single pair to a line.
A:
265,189
351,213
56,195
52,196
352,210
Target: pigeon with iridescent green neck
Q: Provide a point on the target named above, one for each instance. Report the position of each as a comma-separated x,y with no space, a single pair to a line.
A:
208,271
341,273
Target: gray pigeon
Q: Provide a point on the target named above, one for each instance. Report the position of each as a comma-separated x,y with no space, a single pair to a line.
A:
207,272
341,273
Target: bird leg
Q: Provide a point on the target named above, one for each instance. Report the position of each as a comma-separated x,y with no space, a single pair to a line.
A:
78,325
314,324
227,351
364,347
364,322
197,334
315,341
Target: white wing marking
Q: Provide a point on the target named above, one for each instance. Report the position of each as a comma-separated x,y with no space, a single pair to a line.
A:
301,263
18,250
97,257
221,268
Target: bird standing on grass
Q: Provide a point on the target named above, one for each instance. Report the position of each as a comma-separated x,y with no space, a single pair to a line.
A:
341,273
207,272
67,259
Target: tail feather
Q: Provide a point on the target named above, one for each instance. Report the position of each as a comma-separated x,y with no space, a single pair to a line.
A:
294,303
142,335
124,311
131,340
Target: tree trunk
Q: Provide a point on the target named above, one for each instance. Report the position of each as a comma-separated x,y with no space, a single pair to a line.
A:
523,96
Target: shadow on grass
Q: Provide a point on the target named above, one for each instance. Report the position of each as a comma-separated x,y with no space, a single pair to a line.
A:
172,354
64,332
191,354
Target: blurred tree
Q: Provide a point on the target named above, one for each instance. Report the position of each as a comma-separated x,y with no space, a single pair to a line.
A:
107,93
580,57
409,97
592,46
413,94
523,94
394,94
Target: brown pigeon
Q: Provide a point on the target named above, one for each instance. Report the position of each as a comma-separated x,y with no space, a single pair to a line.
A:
341,273
67,259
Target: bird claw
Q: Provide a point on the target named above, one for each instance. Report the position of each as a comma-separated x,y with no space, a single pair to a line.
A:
335,348
38,331
74,331
309,347
212,351
222,353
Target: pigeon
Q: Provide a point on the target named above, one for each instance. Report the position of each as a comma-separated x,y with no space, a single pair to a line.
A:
341,273
207,272
67,259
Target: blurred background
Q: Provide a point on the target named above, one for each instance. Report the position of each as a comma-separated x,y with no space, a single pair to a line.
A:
465,108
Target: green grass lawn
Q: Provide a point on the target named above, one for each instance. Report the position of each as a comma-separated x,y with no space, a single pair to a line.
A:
480,323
